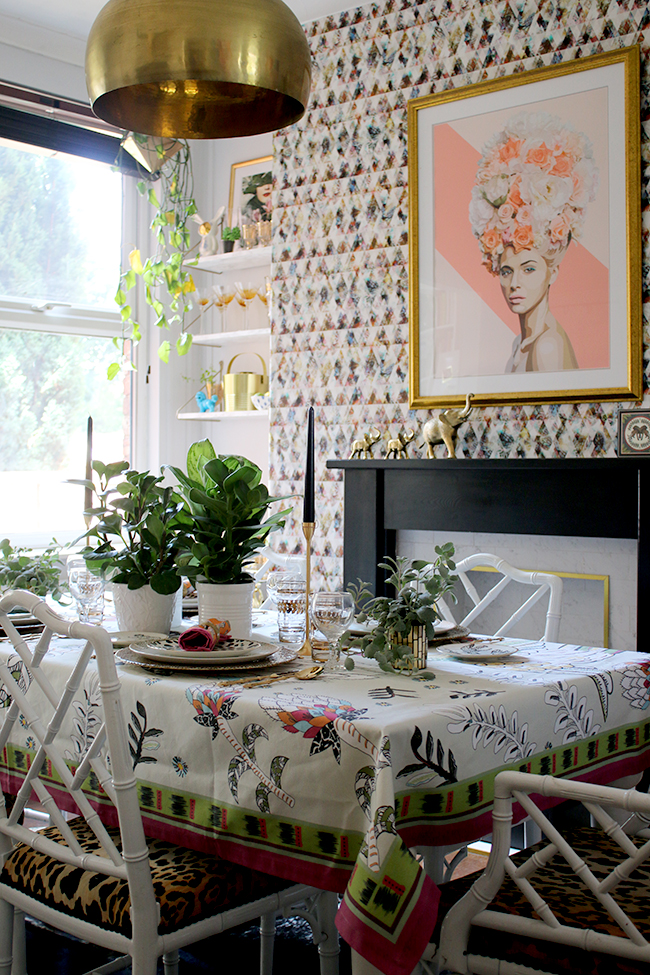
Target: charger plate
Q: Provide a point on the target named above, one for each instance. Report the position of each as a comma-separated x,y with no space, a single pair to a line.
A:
237,651
280,655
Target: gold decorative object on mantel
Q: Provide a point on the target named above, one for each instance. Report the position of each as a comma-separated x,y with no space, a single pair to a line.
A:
201,69
396,447
363,447
442,428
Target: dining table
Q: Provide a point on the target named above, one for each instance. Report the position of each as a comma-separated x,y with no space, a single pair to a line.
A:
338,780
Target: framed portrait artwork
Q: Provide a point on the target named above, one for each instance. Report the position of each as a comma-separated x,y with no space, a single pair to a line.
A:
525,237
251,185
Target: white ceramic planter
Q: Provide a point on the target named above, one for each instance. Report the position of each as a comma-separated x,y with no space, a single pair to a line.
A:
232,602
143,609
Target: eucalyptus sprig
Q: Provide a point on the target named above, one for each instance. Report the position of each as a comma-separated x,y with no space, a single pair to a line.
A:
167,283
418,586
38,572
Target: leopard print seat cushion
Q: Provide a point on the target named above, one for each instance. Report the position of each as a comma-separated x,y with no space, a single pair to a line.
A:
188,885
571,903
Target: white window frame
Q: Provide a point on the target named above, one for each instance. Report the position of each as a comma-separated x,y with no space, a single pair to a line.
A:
42,315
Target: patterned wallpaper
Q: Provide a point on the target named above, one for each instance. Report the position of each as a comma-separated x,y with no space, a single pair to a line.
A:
340,241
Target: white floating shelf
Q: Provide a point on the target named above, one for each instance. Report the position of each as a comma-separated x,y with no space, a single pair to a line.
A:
236,261
214,416
240,337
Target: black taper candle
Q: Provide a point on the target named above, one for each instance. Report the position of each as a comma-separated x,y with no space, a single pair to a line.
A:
88,494
309,506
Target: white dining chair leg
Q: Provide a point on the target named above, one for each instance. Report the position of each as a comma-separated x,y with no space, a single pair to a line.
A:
6,937
329,949
170,963
19,962
267,942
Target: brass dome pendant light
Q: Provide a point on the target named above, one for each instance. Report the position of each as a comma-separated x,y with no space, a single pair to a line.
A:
198,69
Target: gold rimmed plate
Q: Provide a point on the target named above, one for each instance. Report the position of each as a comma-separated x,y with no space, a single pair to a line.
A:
232,651
278,655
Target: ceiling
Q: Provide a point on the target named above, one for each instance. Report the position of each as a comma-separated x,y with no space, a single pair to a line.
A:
75,17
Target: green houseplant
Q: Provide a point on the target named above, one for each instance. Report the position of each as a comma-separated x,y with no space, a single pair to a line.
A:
140,529
167,283
394,619
229,235
38,572
231,522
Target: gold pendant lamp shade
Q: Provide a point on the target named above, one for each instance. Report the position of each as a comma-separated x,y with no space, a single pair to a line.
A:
198,69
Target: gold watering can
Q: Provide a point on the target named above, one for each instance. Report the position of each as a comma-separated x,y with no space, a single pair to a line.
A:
240,386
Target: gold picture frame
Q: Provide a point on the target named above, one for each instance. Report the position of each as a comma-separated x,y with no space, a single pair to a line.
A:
525,237
241,174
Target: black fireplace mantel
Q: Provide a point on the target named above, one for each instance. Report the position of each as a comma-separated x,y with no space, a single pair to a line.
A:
592,498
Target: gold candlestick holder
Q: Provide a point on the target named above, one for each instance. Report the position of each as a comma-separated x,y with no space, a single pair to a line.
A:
308,532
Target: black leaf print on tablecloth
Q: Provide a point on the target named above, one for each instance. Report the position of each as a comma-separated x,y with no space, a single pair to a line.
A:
448,773
326,738
141,736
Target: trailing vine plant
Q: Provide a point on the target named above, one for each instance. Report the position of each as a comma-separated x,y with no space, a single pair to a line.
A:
168,284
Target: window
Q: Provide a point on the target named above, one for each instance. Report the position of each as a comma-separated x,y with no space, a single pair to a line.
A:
60,247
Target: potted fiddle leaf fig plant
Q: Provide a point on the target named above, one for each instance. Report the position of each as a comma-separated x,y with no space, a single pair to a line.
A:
231,521
140,528
397,622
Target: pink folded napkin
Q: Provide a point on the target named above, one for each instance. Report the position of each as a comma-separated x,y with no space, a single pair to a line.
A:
197,638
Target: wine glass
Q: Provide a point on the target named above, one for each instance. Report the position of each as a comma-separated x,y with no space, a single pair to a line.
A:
223,295
331,612
87,590
292,571
264,294
245,293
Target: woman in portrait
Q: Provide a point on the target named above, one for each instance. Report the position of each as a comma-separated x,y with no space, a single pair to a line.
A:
533,183
258,189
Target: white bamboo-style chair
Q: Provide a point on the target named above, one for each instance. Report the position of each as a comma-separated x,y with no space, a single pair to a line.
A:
108,884
437,863
544,583
576,901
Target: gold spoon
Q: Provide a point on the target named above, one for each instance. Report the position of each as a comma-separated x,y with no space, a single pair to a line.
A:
308,673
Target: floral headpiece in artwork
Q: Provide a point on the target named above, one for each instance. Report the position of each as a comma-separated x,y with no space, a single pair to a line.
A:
533,184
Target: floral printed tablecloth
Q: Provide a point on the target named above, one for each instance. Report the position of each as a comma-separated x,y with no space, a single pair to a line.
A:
330,782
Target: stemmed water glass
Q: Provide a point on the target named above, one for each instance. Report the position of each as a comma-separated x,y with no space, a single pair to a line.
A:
87,590
292,571
223,295
331,612
264,294
245,292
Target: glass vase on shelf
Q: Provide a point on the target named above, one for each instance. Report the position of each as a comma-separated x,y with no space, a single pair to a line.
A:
264,229
248,230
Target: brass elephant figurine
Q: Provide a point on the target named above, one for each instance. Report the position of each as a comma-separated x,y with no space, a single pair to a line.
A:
442,429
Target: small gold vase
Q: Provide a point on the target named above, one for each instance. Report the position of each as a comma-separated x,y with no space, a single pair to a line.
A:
417,640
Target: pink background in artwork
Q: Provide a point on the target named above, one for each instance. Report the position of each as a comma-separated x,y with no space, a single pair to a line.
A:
579,298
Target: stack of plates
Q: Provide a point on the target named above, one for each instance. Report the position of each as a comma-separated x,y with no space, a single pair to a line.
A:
166,655
25,623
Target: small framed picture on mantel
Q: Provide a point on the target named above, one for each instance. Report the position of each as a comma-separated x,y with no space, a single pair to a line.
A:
633,432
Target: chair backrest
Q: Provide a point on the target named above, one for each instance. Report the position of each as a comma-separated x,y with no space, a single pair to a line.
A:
544,582
27,694
618,813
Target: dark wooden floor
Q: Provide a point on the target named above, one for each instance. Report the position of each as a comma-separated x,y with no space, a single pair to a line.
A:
235,952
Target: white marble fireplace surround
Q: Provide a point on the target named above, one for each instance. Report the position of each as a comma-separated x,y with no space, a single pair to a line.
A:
582,604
